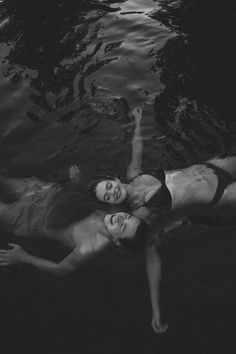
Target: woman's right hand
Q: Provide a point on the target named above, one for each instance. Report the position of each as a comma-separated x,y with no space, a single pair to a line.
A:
157,326
74,173
137,113
15,255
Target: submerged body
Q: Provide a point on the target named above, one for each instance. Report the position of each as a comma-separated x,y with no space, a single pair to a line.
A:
29,216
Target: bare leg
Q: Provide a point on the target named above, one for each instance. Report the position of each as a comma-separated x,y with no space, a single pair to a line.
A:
228,164
228,200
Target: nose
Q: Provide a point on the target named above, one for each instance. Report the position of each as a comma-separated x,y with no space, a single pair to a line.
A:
113,191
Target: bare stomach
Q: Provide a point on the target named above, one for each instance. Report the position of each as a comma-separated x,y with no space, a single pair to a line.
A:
191,188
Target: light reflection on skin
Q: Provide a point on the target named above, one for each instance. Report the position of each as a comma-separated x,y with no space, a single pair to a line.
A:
111,191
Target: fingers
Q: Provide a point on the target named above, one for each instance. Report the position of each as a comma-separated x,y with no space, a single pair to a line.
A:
3,259
159,328
73,167
137,110
13,245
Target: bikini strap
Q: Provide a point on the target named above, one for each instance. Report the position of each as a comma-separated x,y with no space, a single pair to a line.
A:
224,179
133,178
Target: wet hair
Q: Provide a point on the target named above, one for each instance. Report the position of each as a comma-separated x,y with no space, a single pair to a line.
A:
70,206
139,240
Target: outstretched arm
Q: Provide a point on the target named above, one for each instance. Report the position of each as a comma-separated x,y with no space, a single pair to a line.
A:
153,268
17,255
135,165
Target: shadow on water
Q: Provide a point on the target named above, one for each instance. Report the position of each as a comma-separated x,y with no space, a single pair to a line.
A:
196,109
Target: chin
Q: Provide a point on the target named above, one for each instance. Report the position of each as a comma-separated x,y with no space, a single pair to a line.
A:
123,196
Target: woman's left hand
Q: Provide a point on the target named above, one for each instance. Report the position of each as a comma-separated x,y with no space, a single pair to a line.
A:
137,113
157,326
13,256
74,173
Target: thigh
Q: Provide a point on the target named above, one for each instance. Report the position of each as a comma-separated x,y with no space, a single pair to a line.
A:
228,164
228,199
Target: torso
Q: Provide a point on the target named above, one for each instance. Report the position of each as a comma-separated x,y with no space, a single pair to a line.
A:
145,187
83,234
191,189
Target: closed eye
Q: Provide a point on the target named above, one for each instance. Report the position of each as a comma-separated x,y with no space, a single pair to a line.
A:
108,185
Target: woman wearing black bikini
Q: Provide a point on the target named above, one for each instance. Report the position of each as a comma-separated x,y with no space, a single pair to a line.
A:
160,197
192,190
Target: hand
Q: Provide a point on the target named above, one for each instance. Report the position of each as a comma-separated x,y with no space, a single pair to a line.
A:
137,113
157,326
13,256
74,173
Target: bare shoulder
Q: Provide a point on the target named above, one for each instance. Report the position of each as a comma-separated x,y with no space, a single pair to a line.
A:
142,213
94,244
101,241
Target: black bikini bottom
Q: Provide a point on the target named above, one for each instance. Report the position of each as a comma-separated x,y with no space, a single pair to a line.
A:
224,179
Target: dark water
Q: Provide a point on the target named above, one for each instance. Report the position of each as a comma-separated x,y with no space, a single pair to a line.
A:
70,71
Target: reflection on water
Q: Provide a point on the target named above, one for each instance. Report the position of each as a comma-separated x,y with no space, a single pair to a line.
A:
70,70
74,66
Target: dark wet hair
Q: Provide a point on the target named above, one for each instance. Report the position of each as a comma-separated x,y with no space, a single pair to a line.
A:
139,240
70,206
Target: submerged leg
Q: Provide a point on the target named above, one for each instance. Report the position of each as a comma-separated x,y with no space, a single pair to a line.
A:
19,186
14,185
228,164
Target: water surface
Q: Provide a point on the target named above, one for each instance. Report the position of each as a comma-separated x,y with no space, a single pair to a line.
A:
69,73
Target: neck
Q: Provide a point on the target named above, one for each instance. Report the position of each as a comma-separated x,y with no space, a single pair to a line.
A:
130,190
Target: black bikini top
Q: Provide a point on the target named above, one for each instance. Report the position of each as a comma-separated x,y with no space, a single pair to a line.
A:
162,198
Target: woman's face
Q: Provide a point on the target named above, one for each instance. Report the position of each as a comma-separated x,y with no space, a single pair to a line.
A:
121,225
111,191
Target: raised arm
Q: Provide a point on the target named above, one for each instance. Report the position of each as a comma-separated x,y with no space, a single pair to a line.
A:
17,255
153,269
135,165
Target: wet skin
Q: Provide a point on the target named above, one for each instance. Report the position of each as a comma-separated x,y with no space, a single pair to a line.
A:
111,191
121,225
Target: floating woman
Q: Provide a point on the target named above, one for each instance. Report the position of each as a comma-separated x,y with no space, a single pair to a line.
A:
91,231
161,197
200,188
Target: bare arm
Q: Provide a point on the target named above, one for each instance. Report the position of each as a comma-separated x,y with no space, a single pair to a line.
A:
135,165
153,268
17,255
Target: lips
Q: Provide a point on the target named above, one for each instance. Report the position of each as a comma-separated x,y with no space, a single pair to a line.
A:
118,193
